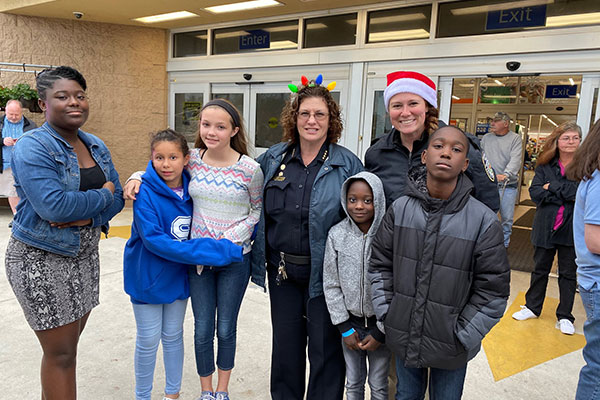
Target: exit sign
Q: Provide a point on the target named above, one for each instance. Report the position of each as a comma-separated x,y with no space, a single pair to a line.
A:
560,91
523,17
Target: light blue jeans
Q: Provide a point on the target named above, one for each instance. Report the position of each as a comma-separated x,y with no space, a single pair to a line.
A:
507,211
155,322
589,377
356,372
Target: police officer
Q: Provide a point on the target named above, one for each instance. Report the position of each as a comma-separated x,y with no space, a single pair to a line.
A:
303,178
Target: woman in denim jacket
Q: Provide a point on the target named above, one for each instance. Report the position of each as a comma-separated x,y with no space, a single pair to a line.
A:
69,190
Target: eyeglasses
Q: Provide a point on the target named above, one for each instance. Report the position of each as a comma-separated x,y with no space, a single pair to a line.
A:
319,116
569,138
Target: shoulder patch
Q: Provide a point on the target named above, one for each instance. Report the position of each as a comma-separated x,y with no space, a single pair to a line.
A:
489,171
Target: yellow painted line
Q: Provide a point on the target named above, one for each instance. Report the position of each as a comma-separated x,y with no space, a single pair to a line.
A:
118,231
513,346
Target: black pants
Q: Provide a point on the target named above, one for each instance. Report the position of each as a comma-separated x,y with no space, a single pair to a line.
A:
567,280
297,319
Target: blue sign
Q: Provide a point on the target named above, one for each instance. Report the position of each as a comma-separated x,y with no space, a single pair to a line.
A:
560,91
523,17
482,129
255,39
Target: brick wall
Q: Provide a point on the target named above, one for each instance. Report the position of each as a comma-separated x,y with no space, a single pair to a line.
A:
124,66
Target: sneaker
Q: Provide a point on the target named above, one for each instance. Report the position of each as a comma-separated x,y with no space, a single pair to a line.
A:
524,314
221,396
206,395
565,326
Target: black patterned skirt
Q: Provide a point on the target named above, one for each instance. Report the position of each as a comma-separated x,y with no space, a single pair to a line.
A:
55,290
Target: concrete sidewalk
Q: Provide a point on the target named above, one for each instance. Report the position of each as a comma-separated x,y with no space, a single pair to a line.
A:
105,361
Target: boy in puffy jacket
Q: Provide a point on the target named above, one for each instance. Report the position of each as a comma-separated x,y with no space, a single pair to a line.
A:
348,290
439,272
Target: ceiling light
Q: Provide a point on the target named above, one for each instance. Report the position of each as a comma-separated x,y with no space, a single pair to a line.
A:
574,19
245,5
398,35
397,18
498,82
283,44
572,81
498,7
165,17
455,97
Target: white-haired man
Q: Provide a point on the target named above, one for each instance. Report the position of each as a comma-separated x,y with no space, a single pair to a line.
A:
12,125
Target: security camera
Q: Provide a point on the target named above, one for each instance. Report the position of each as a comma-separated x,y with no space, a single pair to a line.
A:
247,76
78,14
513,65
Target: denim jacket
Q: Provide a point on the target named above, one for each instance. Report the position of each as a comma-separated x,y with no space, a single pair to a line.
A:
47,181
324,211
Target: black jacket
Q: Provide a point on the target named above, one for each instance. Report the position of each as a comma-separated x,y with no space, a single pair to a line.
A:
390,161
561,192
440,276
27,126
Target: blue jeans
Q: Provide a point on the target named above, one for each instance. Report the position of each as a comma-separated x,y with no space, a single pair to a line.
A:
155,322
589,377
356,371
507,211
217,292
443,384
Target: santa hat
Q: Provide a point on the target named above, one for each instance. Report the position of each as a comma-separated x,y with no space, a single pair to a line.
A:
410,82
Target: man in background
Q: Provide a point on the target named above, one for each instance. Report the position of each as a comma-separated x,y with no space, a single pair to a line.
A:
12,125
503,149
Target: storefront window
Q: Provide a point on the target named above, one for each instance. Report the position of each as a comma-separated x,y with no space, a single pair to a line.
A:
381,121
479,17
187,106
190,44
398,24
261,37
336,30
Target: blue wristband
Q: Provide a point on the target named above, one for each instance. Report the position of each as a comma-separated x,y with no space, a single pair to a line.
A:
348,332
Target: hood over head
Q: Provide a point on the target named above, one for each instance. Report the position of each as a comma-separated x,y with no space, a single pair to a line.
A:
378,197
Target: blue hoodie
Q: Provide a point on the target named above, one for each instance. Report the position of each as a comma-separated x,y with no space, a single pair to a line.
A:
158,254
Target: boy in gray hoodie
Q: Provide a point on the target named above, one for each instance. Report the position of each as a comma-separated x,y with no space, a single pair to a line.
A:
347,288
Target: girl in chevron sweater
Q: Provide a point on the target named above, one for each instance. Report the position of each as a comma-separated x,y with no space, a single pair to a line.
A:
226,187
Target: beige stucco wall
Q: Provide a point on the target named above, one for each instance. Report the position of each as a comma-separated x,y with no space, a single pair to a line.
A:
124,66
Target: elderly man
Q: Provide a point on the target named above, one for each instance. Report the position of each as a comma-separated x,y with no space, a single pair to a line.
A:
503,149
12,125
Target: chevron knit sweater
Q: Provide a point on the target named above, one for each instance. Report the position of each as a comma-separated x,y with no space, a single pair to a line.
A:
227,200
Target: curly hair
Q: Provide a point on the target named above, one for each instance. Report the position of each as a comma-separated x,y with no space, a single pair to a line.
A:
587,156
549,150
289,114
431,118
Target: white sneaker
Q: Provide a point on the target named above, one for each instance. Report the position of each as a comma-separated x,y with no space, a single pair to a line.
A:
524,314
565,326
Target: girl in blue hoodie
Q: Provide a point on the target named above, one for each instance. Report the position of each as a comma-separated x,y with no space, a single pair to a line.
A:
157,258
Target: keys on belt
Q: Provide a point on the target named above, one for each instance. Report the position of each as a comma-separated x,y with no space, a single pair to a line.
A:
283,257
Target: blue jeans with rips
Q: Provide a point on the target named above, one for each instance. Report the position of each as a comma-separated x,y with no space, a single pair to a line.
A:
156,323
589,377
507,211
443,384
217,293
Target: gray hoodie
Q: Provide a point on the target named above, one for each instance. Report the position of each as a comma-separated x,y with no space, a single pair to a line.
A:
345,283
